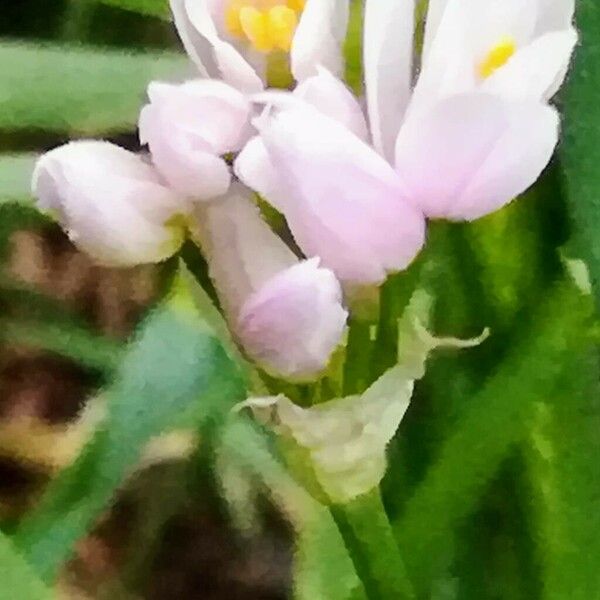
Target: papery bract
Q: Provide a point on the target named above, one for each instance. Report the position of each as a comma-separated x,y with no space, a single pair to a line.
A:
112,203
188,127
287,314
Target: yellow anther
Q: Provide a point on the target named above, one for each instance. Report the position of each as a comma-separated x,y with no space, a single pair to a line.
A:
267,24
296,5
497,57
255,25
282,24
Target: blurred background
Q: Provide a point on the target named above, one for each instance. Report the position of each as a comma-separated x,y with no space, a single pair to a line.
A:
493,485
72,69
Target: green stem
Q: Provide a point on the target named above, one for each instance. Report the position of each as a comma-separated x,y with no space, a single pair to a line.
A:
368,535
358,353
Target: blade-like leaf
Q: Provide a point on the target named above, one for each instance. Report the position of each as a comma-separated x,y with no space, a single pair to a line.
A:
82,90
153,8
176,373
580,149
497,419
17,577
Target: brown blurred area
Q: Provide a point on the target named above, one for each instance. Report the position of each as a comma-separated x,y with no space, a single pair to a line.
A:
195,552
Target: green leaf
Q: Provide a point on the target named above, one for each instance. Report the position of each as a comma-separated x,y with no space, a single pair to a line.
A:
153,8
497,418
17,577
15,177
580,149
562,451
73,89
175,373
77,343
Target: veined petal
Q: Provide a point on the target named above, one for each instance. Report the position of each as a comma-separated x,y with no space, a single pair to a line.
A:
319,37
344,203
472,153
294,322
214,56
331,97
388,54
537,70
435,12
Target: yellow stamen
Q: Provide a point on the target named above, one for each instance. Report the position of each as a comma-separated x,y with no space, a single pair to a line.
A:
267,24
255,25
497,57
282,24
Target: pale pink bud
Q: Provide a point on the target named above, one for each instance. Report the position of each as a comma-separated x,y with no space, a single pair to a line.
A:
110,202
286,314
188,127
293,323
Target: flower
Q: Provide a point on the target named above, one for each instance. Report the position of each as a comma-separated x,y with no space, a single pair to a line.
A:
112,203
457,154
287,314
188,127
233,39
515,48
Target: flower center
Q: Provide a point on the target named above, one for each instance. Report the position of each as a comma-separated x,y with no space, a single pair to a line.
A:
497,56
267,24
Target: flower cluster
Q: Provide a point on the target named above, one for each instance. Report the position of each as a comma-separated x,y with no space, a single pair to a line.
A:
356,179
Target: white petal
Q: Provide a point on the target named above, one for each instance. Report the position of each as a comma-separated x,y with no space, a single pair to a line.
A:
215,56
388,53
472,153
343,202
537,70
331,97
109,201
435,12
319,38
554,15
254,168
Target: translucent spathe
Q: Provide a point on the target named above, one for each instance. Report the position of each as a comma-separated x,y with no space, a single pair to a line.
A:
347,437
111,202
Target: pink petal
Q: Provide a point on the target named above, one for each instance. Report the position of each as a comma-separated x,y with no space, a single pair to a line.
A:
344,203
472,153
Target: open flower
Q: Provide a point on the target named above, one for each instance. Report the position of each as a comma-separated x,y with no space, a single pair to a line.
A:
287,314
233,39
111,203
457,156
188,128
515,48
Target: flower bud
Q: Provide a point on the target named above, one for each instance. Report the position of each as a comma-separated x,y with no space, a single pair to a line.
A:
110,202
294,321
286,314
188,127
